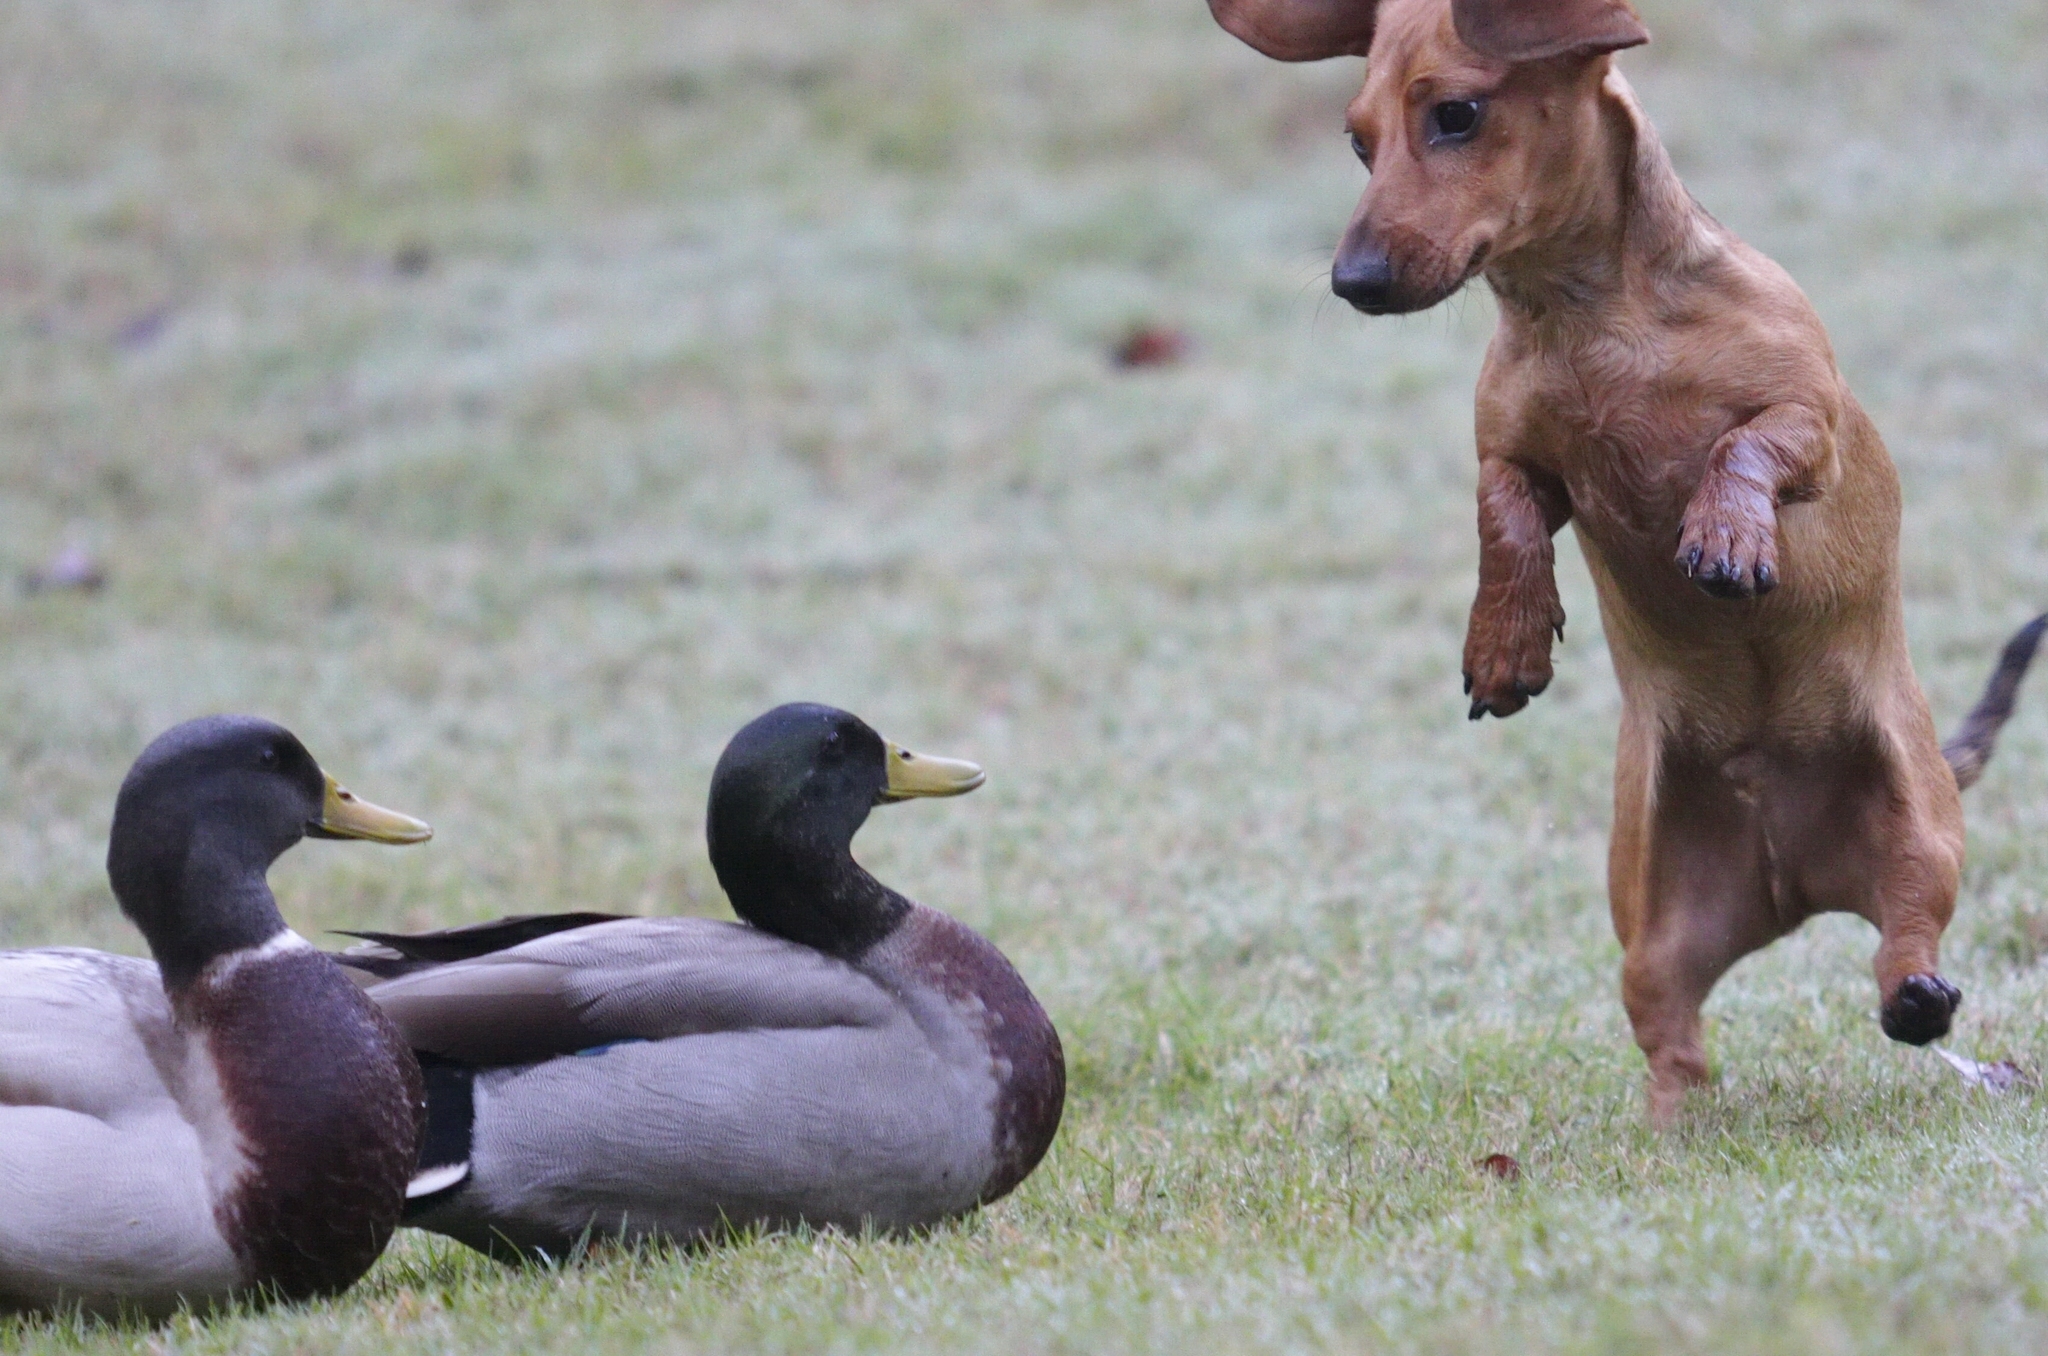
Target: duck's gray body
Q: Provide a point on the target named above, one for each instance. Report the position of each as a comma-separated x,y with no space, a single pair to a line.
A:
156,1152
111,1146
675,1077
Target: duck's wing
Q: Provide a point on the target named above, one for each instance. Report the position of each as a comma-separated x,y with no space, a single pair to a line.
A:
625,980
104,1198
83,1031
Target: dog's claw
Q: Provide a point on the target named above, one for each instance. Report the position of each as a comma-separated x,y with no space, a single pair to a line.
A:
1724,577
1517,696
1507,654
1727,585
1727,543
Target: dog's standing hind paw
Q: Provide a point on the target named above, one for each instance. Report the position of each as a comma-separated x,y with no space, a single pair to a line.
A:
1921,1009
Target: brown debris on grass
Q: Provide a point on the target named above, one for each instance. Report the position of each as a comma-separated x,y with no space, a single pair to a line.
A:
1152,346
1504,1166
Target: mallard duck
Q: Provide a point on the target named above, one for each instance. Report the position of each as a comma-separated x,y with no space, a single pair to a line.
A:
235,1119
842,1057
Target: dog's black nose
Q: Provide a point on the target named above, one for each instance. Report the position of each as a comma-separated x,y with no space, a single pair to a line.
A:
1365,278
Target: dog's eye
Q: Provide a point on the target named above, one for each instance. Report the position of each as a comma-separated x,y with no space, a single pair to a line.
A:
1454,120
1358,149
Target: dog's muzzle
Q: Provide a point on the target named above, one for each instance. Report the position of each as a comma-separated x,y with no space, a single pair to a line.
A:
1365,278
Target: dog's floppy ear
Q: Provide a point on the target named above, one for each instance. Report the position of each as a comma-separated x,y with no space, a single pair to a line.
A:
1299,30
1530,30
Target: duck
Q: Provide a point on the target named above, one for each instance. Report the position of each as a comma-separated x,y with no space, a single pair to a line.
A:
231,1119
840,1056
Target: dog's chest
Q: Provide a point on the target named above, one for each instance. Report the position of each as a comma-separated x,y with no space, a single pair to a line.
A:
1629,436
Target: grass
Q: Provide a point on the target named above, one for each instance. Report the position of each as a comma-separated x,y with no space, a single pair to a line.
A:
514,398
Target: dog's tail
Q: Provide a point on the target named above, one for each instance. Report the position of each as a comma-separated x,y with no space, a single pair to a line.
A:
1969,749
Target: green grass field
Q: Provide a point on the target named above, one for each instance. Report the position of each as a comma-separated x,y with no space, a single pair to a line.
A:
514,397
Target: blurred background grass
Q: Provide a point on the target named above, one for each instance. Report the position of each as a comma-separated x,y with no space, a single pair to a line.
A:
514,398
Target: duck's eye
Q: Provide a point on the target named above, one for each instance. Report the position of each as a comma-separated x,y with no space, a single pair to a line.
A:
833,746
269,755
1358,149
1454,120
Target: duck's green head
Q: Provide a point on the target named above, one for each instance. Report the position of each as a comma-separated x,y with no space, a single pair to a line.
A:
203,813
787,797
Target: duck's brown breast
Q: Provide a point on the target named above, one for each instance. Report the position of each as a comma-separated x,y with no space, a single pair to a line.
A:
328,1104
1029,1065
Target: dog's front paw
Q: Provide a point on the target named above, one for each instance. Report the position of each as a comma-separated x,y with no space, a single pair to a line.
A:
1728,543
1921,1009
1502,674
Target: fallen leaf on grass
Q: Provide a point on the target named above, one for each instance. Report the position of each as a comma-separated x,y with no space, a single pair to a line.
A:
1502,1166
1152,346
2002,1076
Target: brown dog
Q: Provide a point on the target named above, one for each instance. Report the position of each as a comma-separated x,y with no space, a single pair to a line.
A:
1669,392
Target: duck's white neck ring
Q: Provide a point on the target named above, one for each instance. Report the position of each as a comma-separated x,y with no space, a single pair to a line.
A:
283,942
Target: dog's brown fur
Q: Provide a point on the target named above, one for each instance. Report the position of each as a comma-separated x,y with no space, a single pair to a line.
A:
1669,392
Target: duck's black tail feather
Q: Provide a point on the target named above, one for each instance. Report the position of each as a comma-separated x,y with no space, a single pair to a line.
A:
444,1147
1969,749
387,955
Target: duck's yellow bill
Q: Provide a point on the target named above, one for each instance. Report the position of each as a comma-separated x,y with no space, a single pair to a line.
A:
347,815
920,774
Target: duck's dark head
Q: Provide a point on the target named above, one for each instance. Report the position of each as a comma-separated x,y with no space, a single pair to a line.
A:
206,809
787,797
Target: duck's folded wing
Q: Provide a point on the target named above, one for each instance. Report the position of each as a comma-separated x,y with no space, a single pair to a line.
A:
634,979
82,1031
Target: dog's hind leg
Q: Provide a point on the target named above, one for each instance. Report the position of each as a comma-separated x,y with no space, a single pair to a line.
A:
1913,898
1911,830
1690,883
1870,823
1906,819
1876,828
